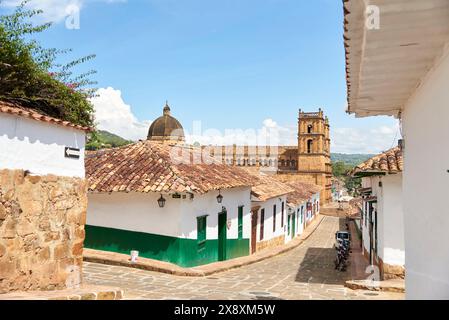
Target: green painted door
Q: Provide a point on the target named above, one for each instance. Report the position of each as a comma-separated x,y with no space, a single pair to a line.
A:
294,225
222,227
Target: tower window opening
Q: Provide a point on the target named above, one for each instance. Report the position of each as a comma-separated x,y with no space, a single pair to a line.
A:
309,128
309,146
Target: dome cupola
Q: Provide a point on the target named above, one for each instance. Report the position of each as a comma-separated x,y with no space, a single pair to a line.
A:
166,128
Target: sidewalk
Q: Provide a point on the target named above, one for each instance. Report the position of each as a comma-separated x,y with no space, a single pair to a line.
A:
85,292
359,265
118,259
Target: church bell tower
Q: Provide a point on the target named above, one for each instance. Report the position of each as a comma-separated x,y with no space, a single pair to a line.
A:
314,162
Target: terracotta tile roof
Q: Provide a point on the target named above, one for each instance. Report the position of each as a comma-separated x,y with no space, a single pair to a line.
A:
302,192
390,161
6,107
267,187
148,166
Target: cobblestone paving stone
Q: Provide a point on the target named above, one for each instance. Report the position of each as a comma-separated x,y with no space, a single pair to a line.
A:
305,272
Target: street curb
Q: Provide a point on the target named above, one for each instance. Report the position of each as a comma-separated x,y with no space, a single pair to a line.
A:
374,286
84,292
117,259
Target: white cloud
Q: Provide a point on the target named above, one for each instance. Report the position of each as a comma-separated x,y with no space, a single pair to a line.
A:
114,115
375,140
55,10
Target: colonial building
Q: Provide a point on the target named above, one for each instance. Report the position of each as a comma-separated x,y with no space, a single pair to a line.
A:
303,205
307,162
167,200
43,200
174,202
268,211
382,218
401,69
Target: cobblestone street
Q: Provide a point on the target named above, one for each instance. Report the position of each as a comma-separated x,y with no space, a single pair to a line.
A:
305,272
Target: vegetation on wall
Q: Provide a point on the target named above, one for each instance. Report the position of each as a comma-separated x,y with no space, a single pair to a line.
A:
31,76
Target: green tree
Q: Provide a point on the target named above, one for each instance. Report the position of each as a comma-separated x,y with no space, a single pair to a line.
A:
340,168
31,76
352,184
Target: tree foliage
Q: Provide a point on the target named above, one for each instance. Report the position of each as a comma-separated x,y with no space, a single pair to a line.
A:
341,170
31,76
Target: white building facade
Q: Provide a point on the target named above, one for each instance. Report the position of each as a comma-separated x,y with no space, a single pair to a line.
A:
43,200
402,69
382,219
39,146
186,231
142,199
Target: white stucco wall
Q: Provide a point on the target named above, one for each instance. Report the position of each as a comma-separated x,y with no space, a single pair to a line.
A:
207,205
135,212
390,222
301,217
426,185
392,243
39,147
141,212
268,225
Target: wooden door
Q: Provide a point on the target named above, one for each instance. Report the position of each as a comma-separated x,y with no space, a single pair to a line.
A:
222,235
254,231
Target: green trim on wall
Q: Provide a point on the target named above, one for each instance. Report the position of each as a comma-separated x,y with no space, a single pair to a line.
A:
181,251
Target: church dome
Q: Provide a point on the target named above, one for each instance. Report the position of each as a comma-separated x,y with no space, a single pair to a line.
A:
166,128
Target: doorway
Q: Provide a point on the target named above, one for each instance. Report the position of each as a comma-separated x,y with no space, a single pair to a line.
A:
254,231
294,225
222,236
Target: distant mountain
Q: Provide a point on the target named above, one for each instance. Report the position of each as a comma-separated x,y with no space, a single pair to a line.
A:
102,139
350,159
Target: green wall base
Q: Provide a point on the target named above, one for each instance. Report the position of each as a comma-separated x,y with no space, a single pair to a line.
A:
183,252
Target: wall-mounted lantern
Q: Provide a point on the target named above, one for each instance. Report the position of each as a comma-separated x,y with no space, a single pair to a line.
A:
401,144
161,202
219,197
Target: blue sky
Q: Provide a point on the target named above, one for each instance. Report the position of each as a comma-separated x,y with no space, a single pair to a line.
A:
230,64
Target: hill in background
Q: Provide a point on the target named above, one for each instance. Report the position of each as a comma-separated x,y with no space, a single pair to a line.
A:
350,159
102,139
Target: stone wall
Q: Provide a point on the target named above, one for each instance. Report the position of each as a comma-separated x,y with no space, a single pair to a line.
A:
42,222
278,241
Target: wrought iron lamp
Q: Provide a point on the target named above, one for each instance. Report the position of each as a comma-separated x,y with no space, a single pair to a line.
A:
161,202
219,197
